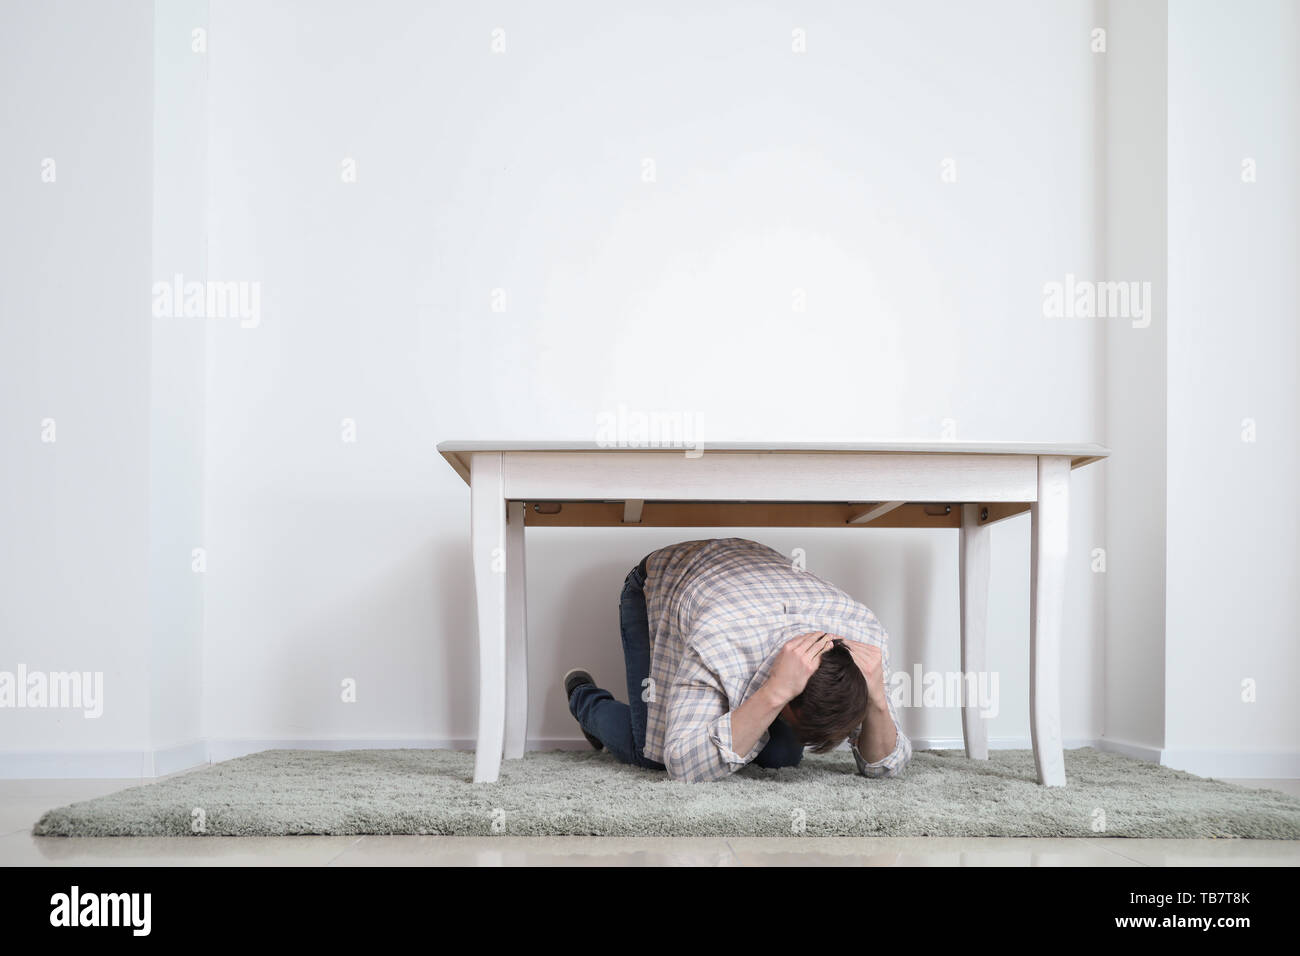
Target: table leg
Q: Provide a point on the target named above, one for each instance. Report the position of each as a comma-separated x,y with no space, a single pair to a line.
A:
1049,536
487,545
516,633
973,561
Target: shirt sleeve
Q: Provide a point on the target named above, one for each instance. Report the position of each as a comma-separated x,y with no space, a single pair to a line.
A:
697,745
893,764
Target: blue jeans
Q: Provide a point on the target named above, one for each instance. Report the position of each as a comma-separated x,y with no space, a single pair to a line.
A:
621,727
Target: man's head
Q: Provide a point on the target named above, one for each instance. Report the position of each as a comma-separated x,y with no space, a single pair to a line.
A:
833,703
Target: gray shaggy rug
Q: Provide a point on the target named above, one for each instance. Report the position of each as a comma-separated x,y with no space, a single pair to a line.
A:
565,792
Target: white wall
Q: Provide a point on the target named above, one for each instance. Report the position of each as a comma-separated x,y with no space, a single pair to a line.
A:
1234,94
1136,241
523,171
178,385
76,87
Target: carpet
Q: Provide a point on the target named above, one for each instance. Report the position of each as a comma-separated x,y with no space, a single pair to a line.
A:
563,792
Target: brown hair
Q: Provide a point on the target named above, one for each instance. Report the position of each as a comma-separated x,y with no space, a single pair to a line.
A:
833,703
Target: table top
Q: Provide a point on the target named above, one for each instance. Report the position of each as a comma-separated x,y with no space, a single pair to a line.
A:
457,452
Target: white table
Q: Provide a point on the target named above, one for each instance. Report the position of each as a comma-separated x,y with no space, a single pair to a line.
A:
963,485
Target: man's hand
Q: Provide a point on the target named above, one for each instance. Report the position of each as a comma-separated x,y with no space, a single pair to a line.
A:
879,736
867,657
798,660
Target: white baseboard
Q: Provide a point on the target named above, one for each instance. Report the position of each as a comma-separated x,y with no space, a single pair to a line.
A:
127,765
150,764
995,743
1231,764
227,748
1127,748
1221,764
180,757
101,764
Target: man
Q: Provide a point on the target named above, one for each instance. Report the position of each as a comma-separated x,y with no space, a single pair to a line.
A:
735,655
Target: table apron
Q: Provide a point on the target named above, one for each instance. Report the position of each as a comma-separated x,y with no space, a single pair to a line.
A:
725,476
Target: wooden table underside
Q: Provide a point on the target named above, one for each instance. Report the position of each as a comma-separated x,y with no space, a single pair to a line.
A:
759,514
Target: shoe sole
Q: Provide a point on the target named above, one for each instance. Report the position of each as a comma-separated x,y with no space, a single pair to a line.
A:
594,741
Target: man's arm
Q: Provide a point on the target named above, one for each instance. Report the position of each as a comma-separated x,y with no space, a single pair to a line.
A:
881,749
707,742
751,719
700,743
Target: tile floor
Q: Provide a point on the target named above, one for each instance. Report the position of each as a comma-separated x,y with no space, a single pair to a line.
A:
23,801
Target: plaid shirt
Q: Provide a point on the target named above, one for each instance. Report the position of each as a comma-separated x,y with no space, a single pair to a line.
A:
719,611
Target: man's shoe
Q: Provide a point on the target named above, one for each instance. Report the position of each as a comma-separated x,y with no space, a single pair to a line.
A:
572,681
